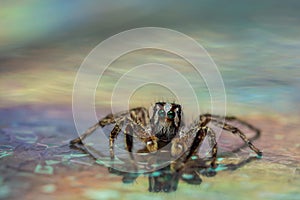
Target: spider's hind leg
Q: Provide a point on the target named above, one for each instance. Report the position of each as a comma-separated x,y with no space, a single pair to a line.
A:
88,132
103,122
236,131
220,119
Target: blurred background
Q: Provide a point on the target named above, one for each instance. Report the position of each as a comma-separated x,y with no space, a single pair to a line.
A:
255,44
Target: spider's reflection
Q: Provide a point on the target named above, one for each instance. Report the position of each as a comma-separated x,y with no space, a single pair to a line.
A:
167,179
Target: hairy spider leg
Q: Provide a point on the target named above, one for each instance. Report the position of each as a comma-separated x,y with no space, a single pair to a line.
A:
103,122
200,135
236,131
88,132
138,115
128,141
219,120
180,164
214,145
129,138
112,136
202,132
232,118
136,119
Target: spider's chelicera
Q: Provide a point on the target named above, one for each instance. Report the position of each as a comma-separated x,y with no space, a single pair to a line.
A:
162,125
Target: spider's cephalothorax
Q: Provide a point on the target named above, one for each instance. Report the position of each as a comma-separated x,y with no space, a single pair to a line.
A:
165,121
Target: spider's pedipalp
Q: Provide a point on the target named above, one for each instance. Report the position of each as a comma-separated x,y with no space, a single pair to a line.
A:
178,147
152,144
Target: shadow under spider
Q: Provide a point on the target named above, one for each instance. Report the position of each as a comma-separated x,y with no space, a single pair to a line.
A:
167,179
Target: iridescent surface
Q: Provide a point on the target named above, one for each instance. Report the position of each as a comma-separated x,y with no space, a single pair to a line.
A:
42,44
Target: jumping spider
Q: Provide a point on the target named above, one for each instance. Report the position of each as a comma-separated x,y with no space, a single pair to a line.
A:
164,127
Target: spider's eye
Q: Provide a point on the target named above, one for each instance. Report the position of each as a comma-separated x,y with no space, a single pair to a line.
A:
171,114
161,113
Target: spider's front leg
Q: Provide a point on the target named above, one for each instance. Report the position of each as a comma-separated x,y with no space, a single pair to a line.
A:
199,131
180,150
198,140
112,136
213,144
136,115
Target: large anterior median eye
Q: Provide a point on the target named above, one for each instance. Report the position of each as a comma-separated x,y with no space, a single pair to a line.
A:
171,114
161,113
